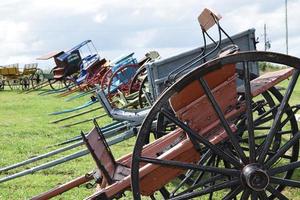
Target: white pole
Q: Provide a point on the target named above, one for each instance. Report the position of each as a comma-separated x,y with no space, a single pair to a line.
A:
286,29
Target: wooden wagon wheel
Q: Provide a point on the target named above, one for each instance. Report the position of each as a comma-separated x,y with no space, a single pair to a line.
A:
57,84
120,80
139,84
2,84
137,79
105,79
14,84
37,78
261,170
25,83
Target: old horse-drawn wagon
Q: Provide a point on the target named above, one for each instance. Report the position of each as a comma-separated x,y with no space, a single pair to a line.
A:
16,78
70,66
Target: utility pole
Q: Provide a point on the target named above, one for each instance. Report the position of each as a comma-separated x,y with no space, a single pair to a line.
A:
266,41
265,36
286,29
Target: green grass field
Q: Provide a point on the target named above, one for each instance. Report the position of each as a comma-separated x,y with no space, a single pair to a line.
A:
26,132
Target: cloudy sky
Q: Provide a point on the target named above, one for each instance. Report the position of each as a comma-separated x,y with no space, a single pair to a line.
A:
30,28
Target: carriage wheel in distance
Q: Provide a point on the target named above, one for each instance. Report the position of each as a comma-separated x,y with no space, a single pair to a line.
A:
25,83
105,79
247,143
37,78
56,84
14,84
140,84
2,84
120,80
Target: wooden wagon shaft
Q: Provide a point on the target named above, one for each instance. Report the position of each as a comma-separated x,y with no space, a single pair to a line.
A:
183,150
62,188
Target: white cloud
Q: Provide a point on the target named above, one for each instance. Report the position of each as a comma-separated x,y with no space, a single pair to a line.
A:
99,18
140,39
33,27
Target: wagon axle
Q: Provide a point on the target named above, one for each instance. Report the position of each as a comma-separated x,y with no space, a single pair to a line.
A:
255,177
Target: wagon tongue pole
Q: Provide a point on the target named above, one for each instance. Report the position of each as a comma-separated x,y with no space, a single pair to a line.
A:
82,94
87,104
84,121
76,115
40,86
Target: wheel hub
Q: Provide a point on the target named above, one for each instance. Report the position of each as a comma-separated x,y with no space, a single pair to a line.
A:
255,177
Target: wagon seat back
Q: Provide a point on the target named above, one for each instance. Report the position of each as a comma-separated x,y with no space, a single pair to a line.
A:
67,64
108,169
10,70
30,69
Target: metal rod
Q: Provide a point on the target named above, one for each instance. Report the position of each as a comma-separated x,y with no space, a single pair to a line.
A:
76,115
40,157
45,166
87,104
82,94
83,121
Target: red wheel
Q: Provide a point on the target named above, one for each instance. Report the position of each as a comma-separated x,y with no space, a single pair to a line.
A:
105,79
121,80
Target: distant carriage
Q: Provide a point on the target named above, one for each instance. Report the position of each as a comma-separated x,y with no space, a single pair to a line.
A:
24,79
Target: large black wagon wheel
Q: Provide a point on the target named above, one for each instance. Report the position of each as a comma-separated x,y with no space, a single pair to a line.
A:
262,168
37,78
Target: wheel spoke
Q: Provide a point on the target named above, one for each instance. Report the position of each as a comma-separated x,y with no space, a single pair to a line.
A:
223,120
261,117
191,173
182,165
201,184
276,123
276,193
285,182
254,195
192,134
284,168
271,153
250,126
233,193
263,120
262,128
208,190
246,194
280,152
262,195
